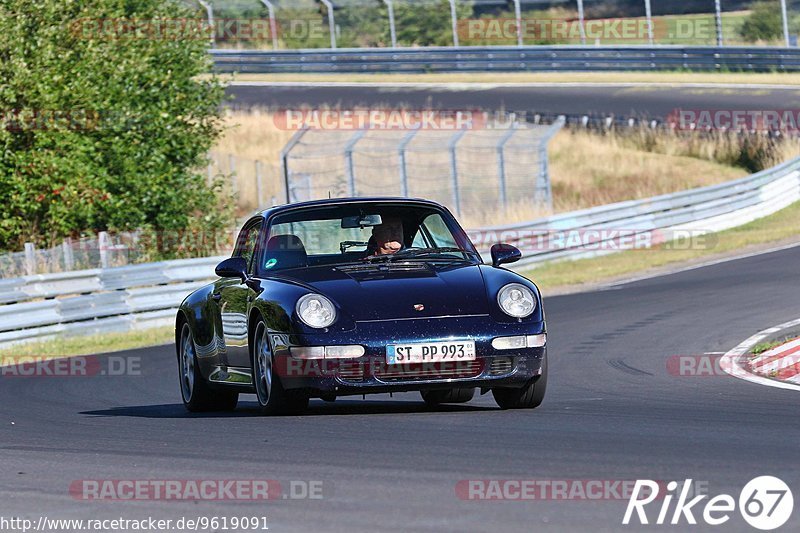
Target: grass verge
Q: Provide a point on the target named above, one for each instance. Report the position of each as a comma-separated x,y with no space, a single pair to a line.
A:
572,275
88,345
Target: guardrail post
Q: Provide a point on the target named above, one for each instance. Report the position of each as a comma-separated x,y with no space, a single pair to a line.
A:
544,184
348,158
649,14
392,29
273,25
581,21
69,258
454,21
401,152
210,13
285,160
501,163
30,258
258,184
331,22
232,170
785,15
454,169
718,18
103,245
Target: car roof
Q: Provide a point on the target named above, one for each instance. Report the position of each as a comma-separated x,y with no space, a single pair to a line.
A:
266,213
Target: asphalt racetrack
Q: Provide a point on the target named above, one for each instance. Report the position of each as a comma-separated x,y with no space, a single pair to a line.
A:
614,411
627,101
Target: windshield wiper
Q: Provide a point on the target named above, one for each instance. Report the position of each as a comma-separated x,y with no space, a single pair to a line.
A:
411,253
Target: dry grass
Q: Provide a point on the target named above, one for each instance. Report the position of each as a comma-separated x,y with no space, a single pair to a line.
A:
587,169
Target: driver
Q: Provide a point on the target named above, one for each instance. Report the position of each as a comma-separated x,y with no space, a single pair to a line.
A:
388,237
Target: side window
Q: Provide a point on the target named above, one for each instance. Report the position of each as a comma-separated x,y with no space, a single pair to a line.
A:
247,242
442,238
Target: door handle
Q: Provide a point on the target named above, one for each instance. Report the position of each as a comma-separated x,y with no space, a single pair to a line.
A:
216,296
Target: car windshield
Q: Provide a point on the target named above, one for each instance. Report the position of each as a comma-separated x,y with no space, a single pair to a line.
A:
364,233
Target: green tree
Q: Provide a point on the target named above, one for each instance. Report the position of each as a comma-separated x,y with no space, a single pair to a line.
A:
764,23
104,127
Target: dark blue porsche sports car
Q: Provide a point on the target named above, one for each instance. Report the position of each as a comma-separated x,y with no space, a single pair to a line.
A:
359,296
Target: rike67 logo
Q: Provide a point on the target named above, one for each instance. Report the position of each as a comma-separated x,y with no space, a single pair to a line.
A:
766,503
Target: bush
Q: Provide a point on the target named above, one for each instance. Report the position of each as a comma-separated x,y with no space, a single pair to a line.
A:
102,131
764,23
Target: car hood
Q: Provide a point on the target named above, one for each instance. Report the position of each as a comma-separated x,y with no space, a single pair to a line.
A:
392,291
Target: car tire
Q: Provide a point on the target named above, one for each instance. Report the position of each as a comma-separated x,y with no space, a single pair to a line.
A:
273,399
433,398
527,397
196,393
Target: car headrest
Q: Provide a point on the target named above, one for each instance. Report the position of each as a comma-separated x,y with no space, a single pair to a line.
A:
288,251
285,243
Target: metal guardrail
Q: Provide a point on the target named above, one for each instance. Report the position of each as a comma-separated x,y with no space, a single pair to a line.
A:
696,211
123,298
509,59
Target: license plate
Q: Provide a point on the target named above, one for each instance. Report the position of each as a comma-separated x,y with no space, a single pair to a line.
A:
430,352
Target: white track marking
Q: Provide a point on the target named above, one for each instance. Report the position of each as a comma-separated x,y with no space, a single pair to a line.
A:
618,284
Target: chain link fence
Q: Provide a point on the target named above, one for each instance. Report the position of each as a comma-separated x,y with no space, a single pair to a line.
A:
299,24
474,172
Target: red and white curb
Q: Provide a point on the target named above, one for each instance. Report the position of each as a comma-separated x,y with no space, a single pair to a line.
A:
781,363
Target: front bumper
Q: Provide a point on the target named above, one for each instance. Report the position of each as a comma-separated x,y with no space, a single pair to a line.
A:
371,374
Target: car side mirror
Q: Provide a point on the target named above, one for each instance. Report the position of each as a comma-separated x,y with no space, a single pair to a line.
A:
233,267
503,254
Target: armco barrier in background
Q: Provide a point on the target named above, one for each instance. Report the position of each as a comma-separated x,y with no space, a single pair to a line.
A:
510,59
118,299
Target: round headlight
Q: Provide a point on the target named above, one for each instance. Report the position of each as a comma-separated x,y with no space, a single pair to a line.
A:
316,311
516,300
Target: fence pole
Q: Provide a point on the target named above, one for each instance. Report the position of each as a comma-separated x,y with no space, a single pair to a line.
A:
392,29
102,244
232,170
30,258
581,21
544,184
348,159
454,169
331,22
258,184
648,11
518,15
273,25
785,15
210,14
401,152
501,163
285,161
454,21
69,258
718,18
